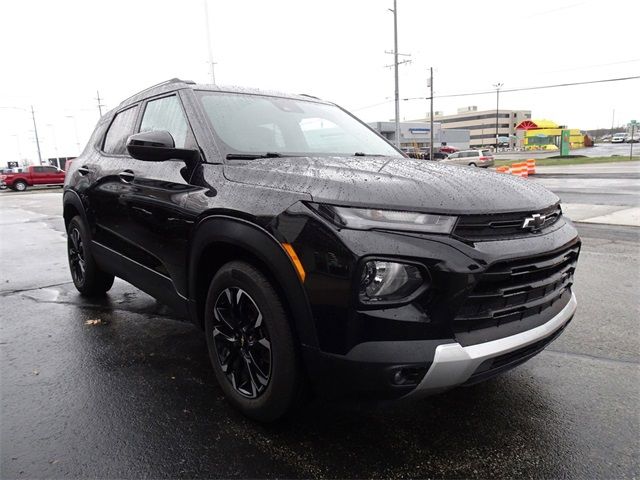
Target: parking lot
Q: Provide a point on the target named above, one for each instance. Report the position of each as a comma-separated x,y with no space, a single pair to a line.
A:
117,388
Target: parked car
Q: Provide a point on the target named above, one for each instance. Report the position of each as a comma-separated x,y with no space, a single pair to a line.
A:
311,251
448,149
473,158
424,153
619,138
30,176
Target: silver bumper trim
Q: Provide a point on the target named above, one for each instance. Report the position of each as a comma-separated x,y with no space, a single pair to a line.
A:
453,364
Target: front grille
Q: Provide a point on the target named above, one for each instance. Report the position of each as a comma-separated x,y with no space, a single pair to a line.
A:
505,225
513,290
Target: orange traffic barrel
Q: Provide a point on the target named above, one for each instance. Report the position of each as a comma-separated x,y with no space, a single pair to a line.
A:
504,169
531,166
520,169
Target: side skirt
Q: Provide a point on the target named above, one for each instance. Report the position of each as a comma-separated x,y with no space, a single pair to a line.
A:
155,284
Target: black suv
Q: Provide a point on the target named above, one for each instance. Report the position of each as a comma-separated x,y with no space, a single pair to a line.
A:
313,252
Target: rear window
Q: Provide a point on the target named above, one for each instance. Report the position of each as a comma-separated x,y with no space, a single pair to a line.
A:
486,153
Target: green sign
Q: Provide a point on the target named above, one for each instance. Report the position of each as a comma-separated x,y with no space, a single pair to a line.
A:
565,142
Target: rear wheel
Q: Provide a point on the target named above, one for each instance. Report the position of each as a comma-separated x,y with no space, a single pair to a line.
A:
88,278
472,164
250,342
20,186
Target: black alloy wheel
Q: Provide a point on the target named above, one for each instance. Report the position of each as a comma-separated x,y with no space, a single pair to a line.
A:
87,276
242,342
251,343
77,262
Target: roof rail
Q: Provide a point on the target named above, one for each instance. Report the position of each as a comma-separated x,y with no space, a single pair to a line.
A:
166,82
307,95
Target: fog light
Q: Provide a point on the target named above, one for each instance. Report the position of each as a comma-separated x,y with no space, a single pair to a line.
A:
383,281
408,376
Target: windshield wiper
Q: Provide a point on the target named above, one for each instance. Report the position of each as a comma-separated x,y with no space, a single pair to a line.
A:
362,154
253,156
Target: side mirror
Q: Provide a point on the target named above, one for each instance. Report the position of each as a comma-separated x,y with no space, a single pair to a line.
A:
156,146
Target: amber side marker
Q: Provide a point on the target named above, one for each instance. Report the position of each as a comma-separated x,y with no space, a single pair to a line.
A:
295,260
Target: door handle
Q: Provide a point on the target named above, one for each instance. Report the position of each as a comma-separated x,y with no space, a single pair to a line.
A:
126,176
83,170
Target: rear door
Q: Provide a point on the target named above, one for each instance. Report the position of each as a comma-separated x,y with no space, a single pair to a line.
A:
38,175
50,175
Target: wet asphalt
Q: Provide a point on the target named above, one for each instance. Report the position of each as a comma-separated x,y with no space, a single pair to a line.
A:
116,388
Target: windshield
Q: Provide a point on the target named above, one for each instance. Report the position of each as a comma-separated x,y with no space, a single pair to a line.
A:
255,124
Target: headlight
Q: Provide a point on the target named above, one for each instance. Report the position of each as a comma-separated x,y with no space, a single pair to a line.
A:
383,281
367,219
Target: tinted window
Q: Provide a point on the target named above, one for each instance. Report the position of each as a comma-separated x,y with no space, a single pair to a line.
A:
39,169
166,114
486,153
122,126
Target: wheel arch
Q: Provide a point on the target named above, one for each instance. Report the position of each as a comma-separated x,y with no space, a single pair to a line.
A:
20,179
221,239
72,206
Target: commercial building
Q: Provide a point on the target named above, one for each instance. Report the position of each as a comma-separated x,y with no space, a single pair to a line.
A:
482,124
546,135
418,134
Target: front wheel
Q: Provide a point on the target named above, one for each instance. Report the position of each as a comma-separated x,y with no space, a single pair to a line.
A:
250,342
20,186
88,278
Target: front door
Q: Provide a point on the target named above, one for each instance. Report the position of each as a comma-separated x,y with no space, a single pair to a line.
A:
140,205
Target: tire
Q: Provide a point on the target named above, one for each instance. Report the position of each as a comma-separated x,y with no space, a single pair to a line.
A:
251,345
472,164
88,278
20,186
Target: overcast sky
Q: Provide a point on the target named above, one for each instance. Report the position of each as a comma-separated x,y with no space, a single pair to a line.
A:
56,54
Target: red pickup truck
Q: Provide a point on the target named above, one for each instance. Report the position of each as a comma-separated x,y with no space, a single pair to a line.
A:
31,176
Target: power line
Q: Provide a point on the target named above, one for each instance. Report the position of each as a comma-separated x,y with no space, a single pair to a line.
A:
557,85
487,92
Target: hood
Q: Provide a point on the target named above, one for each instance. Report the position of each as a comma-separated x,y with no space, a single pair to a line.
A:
395,183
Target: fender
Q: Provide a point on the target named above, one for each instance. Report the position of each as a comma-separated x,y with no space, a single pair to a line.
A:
71,197
19,179
260,243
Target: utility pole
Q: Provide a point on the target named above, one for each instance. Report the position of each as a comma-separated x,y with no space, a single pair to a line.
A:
211,62
497,86
395,65
431,113
35,130
100,105
613,121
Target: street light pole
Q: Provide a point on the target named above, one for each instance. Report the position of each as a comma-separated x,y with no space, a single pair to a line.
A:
633,129
497,86
395,70
35,130
208,28
431,112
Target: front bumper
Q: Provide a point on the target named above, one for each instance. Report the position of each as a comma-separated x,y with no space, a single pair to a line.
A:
454,364
368,370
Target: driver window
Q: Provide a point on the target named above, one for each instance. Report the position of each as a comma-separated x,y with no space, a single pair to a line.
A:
166,114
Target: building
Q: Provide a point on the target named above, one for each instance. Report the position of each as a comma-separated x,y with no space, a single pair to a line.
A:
546,135
418,134
482,124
